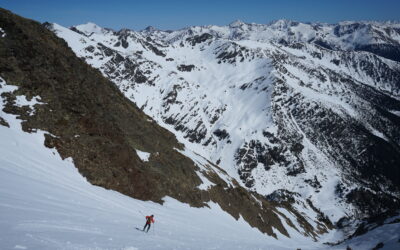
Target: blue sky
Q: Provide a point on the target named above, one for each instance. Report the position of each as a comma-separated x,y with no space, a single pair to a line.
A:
175,14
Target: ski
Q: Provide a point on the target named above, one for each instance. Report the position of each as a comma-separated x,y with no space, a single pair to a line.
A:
140,229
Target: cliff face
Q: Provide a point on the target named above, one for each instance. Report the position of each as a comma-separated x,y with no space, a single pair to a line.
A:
87,118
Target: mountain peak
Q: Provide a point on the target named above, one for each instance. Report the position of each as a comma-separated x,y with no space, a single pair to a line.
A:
236,23
283,23
89,28
150,29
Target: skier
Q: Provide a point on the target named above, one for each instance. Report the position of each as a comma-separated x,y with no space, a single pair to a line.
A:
149,220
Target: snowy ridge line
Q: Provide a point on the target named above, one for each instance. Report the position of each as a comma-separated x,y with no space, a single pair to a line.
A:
206,168
279,29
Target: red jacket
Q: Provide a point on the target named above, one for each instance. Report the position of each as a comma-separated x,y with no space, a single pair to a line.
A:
149,220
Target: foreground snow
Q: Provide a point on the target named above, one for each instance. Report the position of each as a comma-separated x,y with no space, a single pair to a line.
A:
387,235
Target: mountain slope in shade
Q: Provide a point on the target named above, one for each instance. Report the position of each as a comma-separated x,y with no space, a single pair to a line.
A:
297,112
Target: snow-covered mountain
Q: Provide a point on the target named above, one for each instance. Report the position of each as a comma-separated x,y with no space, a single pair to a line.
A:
272,132
57,112
293,111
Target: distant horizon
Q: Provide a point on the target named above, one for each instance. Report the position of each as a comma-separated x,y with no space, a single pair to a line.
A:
178,14
355,21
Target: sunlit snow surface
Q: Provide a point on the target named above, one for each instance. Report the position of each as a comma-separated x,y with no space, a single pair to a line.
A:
144,156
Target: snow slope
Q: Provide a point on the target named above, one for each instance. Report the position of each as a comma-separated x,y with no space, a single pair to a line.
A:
386,236
46,204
